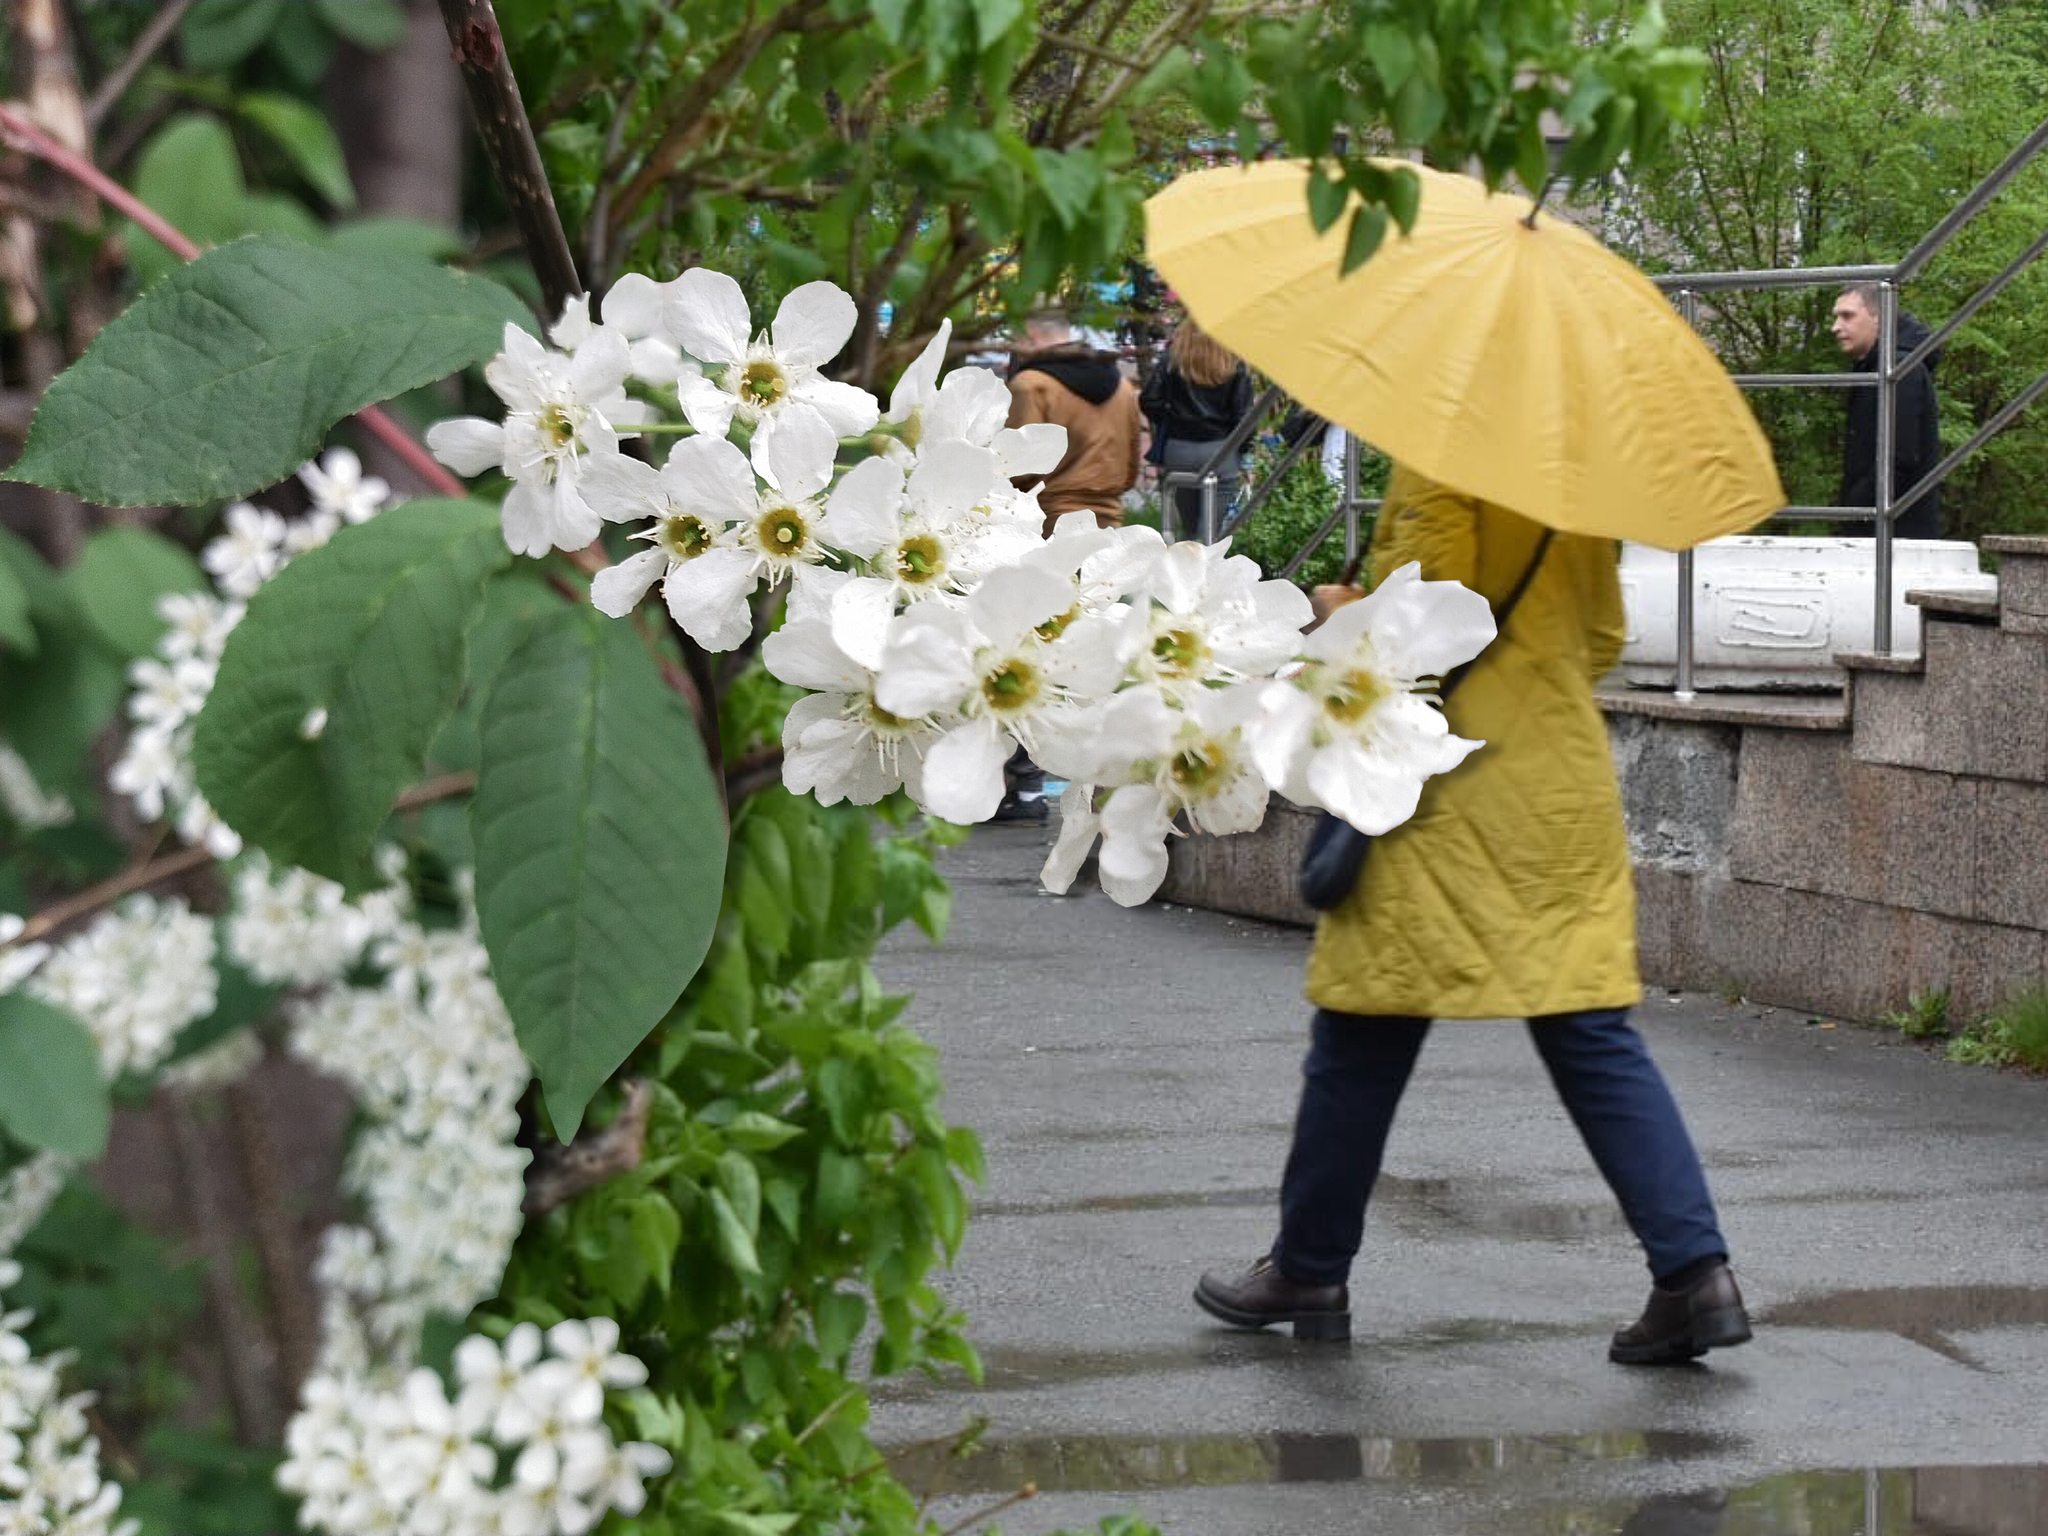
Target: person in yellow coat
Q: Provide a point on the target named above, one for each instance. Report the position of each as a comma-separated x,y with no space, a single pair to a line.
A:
1508,895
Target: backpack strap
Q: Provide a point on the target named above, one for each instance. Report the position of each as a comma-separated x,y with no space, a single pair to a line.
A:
1501,615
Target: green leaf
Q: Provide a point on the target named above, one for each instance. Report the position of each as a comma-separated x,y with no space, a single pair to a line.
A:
1368,228
372,24
734,1241
370,628
52,1096
219,34
227,375
752,1131
304,135
394,234
1404,198
1069,179
657,1230
1392,52
1327,199
190,174
600,839
994,18
119,576
840,1317
303,47
15,628
741,1182
1419,109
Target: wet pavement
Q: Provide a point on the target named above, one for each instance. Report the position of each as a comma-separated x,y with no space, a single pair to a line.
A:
1132,1075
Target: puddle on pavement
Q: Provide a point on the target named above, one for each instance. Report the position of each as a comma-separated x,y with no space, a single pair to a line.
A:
1923,1501
1926,1314
1136,1463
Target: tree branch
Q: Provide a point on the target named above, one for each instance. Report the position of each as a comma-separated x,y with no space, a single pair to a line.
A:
294,1305
558,1174
153,37
508,139
186,860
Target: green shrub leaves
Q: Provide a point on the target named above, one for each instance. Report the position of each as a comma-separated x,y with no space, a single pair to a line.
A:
226,376
600,850
336,683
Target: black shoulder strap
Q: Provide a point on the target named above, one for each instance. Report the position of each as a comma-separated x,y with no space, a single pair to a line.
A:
1502,614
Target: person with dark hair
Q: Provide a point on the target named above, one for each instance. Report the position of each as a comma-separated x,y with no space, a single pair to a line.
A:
1195,398
1058,379
1916,438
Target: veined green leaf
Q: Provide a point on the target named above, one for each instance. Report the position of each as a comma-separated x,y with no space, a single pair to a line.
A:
302,132
600,850
227,375
335,683
52,1096
117,579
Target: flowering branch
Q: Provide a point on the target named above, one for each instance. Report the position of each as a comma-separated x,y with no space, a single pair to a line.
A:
30,139
558,1174
186,860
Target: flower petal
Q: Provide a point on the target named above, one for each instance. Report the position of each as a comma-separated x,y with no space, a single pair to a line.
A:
1079,827
864,515
601,365
861,614
469,445
1134,832
1280,742
813,323
710,478
634,304
920,381
972,404
1362,787
951,479
963,772
927,663
848,409
621,489
706,407
527,519
617,591
805,655
1013,601
1034,449
576,522
708,596
794,451
707,313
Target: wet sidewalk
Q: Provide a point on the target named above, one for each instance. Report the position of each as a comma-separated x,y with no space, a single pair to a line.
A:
1132,1075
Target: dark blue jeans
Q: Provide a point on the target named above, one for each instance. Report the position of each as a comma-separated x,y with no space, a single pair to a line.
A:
1352,1082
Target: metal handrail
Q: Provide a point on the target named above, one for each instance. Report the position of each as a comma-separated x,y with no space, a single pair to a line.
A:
1890,504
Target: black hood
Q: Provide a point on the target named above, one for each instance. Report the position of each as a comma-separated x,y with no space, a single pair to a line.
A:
1912,330
1094,376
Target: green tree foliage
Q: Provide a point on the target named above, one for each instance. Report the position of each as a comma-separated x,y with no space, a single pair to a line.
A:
1837,132
952,157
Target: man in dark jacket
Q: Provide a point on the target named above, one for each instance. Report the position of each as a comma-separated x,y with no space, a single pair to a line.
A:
1916,437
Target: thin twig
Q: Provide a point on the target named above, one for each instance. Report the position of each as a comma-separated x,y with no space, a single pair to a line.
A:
502,124
558,1174
32,140
294,1305
153,37
185,860
1023,1495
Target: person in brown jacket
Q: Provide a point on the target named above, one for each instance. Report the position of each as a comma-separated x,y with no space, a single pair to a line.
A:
1057,379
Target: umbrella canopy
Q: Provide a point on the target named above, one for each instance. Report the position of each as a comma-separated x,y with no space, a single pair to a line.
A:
1530,367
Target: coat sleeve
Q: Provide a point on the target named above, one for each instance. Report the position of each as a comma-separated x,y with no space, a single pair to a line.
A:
1917,447
1606,621
1429,523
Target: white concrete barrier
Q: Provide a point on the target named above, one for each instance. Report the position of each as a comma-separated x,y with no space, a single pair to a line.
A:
1772,612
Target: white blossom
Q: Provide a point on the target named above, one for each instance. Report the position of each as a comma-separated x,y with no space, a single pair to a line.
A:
340,489
50,1482
135,978
561,413
249,553
770,383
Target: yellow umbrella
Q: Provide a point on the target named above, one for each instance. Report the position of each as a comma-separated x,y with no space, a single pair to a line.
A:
1530,367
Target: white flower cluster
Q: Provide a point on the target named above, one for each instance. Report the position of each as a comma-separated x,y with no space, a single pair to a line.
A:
50,1481
259,543
24,800
170,688
295,928
27,1190
430,1057
936,630
135,978
407,1461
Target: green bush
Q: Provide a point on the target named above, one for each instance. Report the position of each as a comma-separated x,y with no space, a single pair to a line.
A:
2015,1036
1300,504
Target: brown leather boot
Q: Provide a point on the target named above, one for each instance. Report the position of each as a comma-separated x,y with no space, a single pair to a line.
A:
1262,1296
1681,1325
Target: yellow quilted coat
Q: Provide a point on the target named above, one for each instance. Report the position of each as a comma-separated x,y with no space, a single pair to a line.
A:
1509,895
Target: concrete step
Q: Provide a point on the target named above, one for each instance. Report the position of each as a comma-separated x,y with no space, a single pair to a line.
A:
1880,661
1961,607
1980,708
2022,581
1827,711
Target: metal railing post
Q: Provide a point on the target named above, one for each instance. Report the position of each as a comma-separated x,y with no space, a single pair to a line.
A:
1351,467
1688,306
1887,428
1209,509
